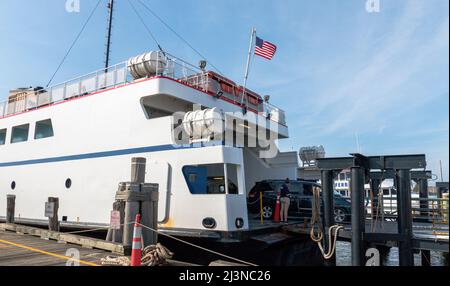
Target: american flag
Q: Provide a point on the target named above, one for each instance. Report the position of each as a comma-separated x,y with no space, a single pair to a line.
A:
265,49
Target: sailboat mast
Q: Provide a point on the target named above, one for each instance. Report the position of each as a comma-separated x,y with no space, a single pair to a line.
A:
108,40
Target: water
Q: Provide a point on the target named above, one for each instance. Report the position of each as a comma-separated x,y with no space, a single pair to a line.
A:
343,256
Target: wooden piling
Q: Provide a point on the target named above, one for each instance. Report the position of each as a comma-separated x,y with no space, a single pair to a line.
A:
53,221
138,197
10,208
132,208
138,166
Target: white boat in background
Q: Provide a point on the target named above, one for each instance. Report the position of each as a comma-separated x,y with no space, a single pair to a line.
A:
389,194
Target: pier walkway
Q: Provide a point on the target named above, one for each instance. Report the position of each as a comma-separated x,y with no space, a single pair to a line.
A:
26,250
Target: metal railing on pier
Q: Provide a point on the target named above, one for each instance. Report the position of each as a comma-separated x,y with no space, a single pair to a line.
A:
432,210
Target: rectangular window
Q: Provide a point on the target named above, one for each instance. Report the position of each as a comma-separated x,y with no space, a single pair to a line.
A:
44,129
20,133
2,136
210,179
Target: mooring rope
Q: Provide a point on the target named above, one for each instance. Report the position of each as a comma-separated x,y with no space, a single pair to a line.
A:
316,221
199,247
94,229
112,260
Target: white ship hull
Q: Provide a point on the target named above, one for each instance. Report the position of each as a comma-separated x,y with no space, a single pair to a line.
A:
95,137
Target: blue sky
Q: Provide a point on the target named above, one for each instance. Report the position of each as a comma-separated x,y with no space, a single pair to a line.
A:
340,72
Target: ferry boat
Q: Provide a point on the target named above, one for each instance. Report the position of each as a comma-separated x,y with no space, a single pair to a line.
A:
75,141
206,139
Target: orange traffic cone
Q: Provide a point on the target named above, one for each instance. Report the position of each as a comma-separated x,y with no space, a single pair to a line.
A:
137,243
276,215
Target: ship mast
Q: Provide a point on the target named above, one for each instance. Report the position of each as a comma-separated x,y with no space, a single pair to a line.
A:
108,40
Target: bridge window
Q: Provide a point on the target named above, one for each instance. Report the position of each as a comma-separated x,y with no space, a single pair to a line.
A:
2,136
20,133
44,129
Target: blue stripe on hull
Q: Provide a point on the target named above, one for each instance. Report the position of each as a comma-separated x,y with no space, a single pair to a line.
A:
97,155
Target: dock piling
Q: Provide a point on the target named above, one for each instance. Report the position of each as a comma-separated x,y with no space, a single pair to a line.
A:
406,257
52,213
138,166
10,208
139,198
132,208
358,216
328,199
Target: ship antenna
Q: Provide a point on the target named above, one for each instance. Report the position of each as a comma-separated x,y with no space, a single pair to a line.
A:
108,39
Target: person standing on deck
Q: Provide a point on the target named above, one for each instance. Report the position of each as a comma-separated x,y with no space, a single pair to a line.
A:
285,201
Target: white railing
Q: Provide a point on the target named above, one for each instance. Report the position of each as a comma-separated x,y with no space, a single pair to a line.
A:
117,75
80,86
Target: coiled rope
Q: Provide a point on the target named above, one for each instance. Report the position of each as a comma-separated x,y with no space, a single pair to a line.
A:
316,223
152,255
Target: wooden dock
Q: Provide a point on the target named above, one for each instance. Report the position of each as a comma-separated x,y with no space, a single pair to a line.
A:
29,246
26,250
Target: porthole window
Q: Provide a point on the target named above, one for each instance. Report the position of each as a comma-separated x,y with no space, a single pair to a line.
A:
68,183
13,185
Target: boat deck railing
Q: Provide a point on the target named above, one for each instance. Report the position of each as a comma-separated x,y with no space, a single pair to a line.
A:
87,84
119,75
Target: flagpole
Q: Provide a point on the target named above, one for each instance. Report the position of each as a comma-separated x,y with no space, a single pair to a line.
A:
250,49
